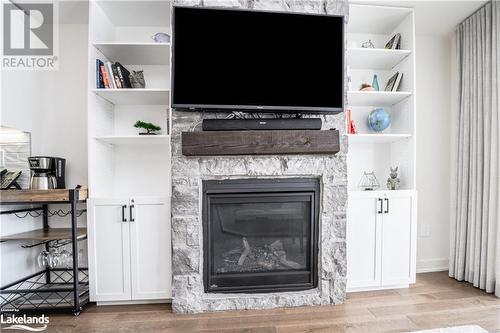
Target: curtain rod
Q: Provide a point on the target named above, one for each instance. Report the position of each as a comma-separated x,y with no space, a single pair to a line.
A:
476,11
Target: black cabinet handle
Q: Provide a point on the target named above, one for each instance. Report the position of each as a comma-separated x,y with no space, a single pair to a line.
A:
381,204
387,206
131,213
124,219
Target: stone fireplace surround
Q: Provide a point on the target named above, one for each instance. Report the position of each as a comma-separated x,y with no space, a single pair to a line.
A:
189,172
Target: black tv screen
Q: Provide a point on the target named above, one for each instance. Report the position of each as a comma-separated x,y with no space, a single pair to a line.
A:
257,61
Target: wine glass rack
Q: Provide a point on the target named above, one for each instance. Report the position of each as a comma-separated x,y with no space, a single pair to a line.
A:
50,289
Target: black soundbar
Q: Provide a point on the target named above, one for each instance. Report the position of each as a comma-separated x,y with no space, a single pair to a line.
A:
261,124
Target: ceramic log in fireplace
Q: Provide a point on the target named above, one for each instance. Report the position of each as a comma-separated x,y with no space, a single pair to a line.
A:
260,235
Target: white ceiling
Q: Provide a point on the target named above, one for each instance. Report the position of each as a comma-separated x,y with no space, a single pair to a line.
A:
433,17
70,11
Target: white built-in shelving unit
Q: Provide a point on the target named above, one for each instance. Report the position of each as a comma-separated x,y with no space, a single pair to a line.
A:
129,174
370,151
121,31
381,224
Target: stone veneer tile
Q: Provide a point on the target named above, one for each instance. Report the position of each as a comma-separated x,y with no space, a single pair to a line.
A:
185,260
188,173
185,200
186,232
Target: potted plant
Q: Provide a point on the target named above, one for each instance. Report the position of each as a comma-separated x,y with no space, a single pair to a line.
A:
149,127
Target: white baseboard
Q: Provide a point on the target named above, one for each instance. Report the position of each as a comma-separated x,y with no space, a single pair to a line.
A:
360,289
151,301
432,265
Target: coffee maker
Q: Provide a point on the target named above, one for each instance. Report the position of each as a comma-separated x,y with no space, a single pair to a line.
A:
47,172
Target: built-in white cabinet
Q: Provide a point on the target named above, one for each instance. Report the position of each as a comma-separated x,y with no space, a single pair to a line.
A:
129,174
396,241
129,249
363,243
381,240
381,225
150,248
109,250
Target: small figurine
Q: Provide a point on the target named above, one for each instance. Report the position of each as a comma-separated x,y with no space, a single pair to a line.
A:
393,181
368,45
137,79
161,37
368,181
149,127
366,87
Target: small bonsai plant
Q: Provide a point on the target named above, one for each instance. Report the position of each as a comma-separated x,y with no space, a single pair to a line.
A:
150,128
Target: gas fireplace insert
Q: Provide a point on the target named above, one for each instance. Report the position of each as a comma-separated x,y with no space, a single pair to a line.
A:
260,235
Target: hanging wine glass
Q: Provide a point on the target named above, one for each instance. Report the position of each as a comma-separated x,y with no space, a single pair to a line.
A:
42,259
66,259
53,258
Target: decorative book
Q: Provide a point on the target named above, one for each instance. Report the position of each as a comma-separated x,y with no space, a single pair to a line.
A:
111,76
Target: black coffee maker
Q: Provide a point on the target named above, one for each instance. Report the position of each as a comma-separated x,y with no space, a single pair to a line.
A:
47,172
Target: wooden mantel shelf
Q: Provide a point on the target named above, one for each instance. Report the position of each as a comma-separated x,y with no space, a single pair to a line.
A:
272,142
41,196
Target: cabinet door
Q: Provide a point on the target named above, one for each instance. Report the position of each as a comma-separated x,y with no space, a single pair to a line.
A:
150,248
397,241
363,242
109,250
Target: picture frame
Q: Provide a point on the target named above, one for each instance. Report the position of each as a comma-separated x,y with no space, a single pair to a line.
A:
394,43
394,82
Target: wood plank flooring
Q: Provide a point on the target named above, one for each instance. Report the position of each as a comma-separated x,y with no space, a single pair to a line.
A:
434,301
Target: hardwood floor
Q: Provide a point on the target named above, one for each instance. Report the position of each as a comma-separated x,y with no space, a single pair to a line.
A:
434,301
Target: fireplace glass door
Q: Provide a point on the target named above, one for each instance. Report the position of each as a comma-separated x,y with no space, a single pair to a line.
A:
260,241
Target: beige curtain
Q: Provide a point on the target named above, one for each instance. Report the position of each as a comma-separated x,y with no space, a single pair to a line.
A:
475,220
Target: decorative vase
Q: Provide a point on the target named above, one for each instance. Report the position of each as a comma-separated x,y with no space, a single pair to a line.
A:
375,83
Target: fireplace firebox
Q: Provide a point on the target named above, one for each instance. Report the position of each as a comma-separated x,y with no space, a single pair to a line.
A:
260,235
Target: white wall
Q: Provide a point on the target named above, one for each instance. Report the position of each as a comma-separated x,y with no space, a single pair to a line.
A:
433,54
52,105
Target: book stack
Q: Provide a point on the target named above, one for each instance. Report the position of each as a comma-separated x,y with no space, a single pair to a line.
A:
351,126
111,76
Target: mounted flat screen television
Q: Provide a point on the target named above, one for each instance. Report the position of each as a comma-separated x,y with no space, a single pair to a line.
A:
257,61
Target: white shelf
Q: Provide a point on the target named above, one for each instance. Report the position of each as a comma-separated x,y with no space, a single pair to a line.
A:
136,53
135,96
367,58
375,98
370,19
135,139
377,138
380,192
137,13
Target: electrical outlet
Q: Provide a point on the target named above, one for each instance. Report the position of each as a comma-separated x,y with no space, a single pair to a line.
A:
425,230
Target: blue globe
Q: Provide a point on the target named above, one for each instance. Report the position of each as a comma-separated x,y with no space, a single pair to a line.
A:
379,120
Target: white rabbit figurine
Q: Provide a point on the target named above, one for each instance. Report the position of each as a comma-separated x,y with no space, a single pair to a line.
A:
393,180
